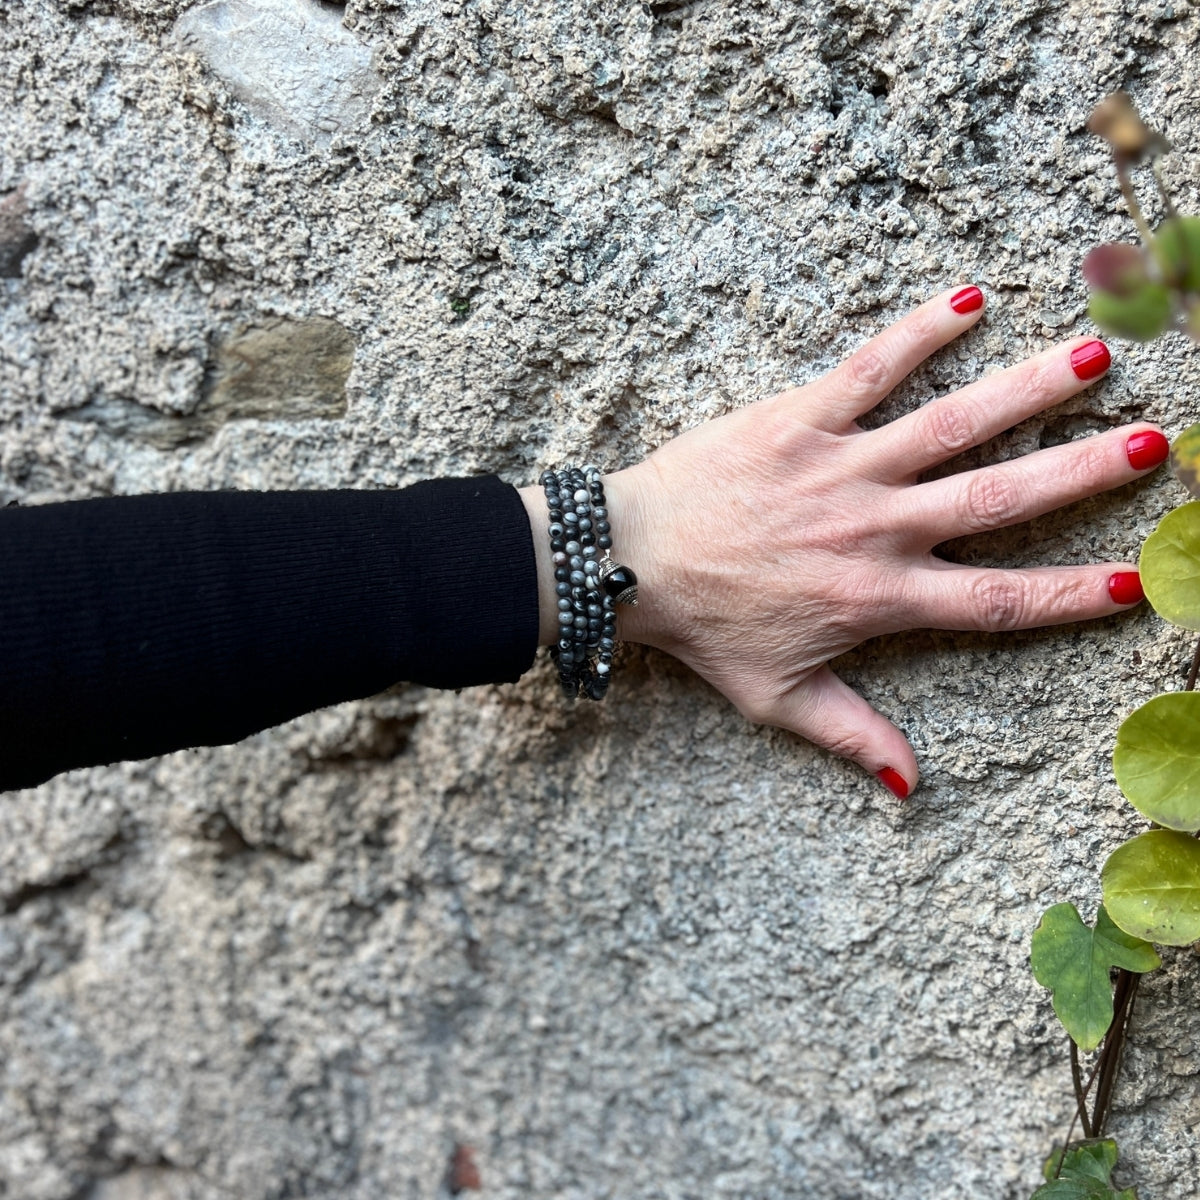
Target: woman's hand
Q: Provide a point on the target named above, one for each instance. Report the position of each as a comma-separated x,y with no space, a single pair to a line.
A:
775,538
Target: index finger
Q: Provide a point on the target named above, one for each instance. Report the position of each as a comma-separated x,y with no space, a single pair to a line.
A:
856,386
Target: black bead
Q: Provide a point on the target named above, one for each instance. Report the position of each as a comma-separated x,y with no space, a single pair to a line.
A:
617,581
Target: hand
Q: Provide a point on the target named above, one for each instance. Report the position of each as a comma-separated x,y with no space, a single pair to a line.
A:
775,538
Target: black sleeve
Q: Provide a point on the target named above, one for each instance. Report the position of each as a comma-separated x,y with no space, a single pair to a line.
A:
138,625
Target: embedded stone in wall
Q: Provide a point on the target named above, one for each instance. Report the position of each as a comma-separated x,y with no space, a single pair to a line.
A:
282,368
17,237
150,1183
278,370
289,61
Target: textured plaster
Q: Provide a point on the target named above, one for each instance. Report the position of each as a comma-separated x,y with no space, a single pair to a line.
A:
642,950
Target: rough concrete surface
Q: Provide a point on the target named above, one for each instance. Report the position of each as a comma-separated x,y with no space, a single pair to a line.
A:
642,950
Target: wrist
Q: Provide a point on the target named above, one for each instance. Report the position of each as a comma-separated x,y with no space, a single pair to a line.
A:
627,493
632,514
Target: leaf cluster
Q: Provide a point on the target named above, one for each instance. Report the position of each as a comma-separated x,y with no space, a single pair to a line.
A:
1140,291
1151,884
1083,1172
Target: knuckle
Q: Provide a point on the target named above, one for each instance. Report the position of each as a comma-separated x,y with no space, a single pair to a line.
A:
859,596
845,742
924,328
992,499
758,710
868,372
1033,385
950,428
1089,464
1001,603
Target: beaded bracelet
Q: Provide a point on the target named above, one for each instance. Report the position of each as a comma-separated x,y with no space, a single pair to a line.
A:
588,582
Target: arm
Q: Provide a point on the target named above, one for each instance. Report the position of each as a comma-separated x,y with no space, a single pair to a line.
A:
136,626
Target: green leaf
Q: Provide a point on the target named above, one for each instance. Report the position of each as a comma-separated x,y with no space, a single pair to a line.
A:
1157,760
1185,458
1170,566
1140,315
1085,1174
1177,248
1152,887
1073,961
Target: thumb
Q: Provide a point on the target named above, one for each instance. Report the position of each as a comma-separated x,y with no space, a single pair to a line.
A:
829,713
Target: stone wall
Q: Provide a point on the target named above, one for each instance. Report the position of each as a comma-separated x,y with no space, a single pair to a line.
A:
643,950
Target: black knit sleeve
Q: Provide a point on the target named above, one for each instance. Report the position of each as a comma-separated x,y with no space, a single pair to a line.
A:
134,626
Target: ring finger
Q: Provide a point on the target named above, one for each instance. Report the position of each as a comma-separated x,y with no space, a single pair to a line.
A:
948,596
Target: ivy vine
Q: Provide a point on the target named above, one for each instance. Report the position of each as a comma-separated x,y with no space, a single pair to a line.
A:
1151,884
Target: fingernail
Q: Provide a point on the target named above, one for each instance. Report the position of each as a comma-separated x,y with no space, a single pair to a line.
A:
894,782
1125,587
1090,360
1146,450
969,300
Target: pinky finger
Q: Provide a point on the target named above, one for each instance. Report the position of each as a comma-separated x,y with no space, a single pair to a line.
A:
993,600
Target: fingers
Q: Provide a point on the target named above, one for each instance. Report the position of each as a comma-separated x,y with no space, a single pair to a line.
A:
865,378
968,417
947,596
1015,491
827,712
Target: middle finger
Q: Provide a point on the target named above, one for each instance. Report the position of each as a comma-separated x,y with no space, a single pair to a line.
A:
1015,491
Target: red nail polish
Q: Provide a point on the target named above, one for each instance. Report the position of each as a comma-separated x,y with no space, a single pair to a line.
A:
1090,360
1146,450
969,300
894,781
1125,587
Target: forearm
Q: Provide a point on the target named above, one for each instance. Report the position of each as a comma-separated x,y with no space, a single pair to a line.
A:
134,626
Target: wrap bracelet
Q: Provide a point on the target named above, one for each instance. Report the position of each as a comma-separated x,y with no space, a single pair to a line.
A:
588,581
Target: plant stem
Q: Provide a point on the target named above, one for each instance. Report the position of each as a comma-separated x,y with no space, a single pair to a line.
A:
1114,1043
1194,672
1081,1115
1080,1096
1168,204
1131,203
